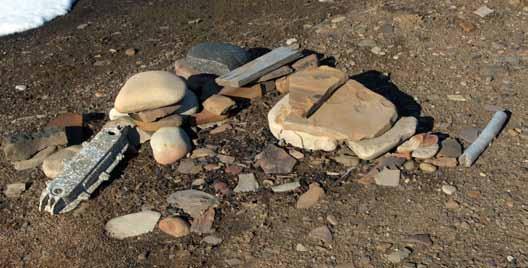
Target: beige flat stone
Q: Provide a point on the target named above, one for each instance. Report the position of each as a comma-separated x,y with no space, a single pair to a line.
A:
371,148
353,112
155,114
299,139
310,88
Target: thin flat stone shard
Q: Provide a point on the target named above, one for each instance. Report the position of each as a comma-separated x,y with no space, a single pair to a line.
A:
253,70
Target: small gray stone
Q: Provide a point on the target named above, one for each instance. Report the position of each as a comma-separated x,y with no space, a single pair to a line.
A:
193,202
450,148
321,233
347,160
422,239
470,134
388,177
216,58
399,255
212,240
286,187
187,166
14,190
246,183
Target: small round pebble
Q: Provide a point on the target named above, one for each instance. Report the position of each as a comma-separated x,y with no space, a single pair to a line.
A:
449,189
426,167
409,165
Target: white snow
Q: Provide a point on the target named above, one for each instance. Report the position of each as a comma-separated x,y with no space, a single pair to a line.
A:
21,15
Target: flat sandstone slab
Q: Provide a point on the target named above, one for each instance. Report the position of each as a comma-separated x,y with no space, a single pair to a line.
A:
258,67
353,113
310,88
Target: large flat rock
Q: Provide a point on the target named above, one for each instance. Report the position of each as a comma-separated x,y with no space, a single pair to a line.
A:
353,113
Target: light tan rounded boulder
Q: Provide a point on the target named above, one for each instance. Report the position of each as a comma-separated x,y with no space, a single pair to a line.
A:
150,90
169,144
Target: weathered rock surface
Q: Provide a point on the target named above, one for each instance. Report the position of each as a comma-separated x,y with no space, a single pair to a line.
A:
14,190
298,139
169,144
150,90
155,114
174,120
67,120
310,197
246,183
132,224
193,202
388,177
371,148
282,71
183,69
450,148
187,166
53,165
22,146
321,233
286,187
218,104
274,160
203,224
310,61
36,160
175,226
216,58
352,113
249,93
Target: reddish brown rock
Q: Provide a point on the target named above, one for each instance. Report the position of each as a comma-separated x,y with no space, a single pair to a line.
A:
203,224
218,104
67,120
274,160
282,85
307,62
169,121
154,114
205,117
310,197
174,226
250,93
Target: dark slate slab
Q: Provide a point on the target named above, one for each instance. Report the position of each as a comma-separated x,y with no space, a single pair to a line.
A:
216,58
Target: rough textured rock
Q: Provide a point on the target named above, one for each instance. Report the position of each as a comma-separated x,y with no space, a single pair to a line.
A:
450,148
36,160
274,160
132,224
321,233
218,104
155,114
184,69
216,58
22,146
212,240
371,148
310,197
282,85
310,61
298,139
14,190
53,165
193,202
388,177
282,71
246,183
174,226
169,144
203,224
286,187
428,168
352,113
249,93
150,90
187,166
174,120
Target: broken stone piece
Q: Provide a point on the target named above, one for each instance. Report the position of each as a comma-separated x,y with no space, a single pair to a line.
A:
274,160
371,148
321,233
218,104
206,117
184,69
14,190
174,226
132,224
246,183
388,177
282,85
450,148
193,202
352,113
22,146
310,88
249,93
187,166
299,139
174,120
310,197
286,187
282,71
203,224
310,61
53,165
36,160
443,162
155,114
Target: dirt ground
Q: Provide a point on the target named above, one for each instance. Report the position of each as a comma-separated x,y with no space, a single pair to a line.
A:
416,51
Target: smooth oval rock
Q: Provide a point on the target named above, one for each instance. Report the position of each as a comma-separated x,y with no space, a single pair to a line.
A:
150,90
216,58
132,224
174,226
53,165
169,144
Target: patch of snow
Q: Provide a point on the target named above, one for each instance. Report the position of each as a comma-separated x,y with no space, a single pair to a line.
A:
20,15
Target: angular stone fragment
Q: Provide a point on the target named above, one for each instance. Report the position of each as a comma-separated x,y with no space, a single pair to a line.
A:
249,93
174,120
300,139
388,177
450,148
184,69
310,88
150,90
174,226
352,113
53,165
36,160
371,148
282,71
274,160
155,114
310,61
14,190
132,224
282,85
22,146
216,58
310,197
187,166
206,117
246,183
443,162
193,202
321,233
218,104
203,224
